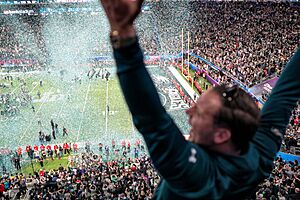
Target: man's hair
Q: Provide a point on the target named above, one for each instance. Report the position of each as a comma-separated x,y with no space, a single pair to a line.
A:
239,113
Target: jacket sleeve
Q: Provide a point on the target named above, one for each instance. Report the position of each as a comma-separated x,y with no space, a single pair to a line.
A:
276,112
168,149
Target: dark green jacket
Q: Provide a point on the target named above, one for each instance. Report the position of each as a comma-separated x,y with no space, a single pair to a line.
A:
189,171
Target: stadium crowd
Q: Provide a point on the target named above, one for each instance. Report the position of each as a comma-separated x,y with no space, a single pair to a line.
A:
18,52
249,42
123,176
283,183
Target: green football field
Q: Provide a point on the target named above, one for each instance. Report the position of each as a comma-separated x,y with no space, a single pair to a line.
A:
92,110
80,107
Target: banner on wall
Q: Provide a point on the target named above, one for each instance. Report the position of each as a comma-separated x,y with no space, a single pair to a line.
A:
264,87
288,157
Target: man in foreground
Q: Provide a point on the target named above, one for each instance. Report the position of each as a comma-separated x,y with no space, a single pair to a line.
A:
232,146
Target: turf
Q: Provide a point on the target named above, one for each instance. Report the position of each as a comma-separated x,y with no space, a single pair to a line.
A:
81,108
48,165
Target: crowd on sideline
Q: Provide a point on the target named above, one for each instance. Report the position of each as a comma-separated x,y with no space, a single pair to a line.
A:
39,153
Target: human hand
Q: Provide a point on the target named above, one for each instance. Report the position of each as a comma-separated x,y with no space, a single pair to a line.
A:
121,15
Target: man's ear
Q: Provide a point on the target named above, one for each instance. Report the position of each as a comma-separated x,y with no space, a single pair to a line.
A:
222,135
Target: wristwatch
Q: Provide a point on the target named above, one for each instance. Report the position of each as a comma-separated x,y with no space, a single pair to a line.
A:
118,42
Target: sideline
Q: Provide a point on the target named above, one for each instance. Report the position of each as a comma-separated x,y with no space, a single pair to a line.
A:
186,86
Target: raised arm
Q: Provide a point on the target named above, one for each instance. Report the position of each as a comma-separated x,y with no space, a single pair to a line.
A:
168,149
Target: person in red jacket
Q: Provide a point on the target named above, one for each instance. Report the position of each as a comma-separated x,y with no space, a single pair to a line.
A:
1,188
123,144
19,151
42,147
42,173
138,143
28,147
55,150
296,121
65,148
128,146
48,147
36,148
29,151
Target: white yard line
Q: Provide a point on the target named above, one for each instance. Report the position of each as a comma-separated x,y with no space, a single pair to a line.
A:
106,109
63,105
13,91
32,119
151,66
83,111
33,88
101,112
18,73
